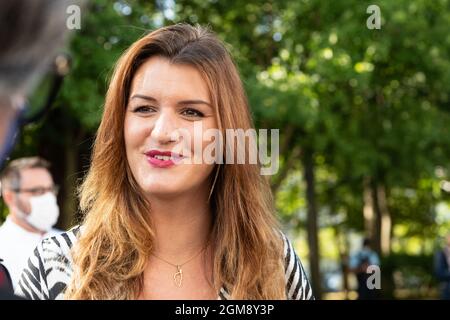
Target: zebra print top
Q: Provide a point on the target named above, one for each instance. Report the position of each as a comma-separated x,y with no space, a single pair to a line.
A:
49,271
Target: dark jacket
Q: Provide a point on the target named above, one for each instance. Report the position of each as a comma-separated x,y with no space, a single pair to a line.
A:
442,272
6,288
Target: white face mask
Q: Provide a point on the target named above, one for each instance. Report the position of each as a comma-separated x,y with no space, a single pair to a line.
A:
44,212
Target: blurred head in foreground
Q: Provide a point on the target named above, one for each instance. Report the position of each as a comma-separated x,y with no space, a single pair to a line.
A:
30,33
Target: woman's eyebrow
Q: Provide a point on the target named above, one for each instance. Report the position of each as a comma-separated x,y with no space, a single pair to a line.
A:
186,102
182,102
141,96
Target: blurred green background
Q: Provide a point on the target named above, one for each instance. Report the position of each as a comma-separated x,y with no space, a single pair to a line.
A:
363,116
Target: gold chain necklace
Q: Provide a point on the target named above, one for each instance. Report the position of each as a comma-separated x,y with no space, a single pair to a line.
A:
178,276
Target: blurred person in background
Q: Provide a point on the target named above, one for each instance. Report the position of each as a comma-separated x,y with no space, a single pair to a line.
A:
359,262
29,193
31,31
442,268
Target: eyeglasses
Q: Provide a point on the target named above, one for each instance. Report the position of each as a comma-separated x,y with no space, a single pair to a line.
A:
39,191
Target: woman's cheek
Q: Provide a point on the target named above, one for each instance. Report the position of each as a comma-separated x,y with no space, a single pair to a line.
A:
136,132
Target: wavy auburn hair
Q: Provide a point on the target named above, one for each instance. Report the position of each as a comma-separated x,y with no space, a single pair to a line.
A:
117,234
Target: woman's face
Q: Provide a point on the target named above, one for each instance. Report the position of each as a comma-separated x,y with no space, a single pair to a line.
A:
165,102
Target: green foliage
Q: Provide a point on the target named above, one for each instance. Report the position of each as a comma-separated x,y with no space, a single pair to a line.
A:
366,103
411,273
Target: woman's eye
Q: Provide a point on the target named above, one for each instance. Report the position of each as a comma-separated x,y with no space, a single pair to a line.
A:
192,113
143,109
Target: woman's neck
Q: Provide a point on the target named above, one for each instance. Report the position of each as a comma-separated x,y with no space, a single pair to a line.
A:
182,226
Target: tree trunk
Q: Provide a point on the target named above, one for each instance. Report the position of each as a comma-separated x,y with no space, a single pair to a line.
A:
386,221
342,245
379,229
313,242
291,160
376,239
69,203
383,224
368,210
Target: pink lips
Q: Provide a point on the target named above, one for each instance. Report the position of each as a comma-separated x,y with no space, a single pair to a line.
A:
174,158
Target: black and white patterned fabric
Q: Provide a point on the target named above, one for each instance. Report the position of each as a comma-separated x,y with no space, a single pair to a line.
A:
49,270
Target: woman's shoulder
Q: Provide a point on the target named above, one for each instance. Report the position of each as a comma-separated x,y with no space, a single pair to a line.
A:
49,268
57,249
297,283
61,243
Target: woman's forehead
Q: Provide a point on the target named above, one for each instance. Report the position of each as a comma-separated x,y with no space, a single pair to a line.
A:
161,79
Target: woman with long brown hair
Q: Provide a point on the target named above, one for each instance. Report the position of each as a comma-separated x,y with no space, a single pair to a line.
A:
158,223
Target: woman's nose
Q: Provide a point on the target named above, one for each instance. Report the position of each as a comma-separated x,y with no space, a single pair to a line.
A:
164,129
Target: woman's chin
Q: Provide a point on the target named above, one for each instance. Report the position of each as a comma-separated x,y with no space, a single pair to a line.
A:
163,191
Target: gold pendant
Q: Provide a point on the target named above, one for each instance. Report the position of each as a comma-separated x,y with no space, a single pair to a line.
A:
178,277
